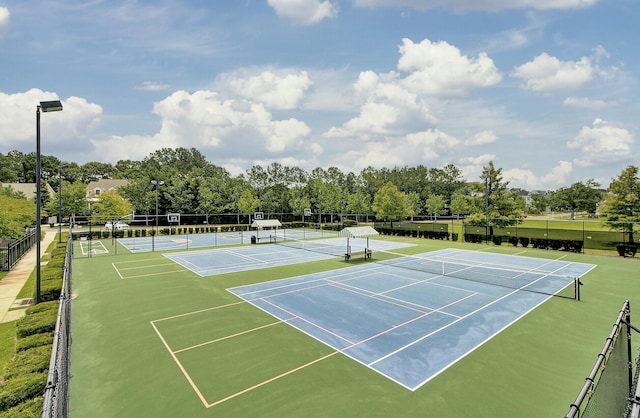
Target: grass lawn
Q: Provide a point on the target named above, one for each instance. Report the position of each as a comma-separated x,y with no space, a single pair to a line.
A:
7,342
121,366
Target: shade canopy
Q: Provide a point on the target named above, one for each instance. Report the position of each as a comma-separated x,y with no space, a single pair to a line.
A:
266,223
358,232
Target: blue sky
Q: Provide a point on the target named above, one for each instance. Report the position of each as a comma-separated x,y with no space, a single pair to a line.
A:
546,89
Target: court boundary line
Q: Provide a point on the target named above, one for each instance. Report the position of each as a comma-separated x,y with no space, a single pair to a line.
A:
122,277
344,286
191,382
104,249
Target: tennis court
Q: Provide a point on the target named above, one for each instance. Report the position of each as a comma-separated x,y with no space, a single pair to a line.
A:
403,319
212,239
227,260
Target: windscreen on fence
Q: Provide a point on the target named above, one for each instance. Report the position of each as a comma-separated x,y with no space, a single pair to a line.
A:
607,388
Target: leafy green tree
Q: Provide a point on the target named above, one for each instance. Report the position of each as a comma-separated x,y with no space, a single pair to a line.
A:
298,202
110,205
413,204
500,206
463,204
74,201
538,203
578,197
621,206
94,170
16,213
390,204
248,202
435,205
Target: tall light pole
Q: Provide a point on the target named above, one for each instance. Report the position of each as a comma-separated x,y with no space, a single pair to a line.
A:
486,208
60,201
49,106
157,183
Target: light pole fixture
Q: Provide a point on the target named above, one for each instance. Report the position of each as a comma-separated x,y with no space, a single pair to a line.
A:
60,201
157,183
49,106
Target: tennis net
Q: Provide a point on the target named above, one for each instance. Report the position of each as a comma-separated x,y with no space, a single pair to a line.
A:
530,280
332,246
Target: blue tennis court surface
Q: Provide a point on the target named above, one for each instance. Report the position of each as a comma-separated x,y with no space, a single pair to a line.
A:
213,239
410,325
229,260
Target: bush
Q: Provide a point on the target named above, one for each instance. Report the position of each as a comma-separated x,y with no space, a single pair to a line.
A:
35,340
34,360
21,388
555,244
37,323
475,238
50,290
454,236
627,250
42,307
31,408
524,241
513,241
497,240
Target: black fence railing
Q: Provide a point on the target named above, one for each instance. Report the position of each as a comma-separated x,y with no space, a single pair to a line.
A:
607,389
12,250
575,236
56,393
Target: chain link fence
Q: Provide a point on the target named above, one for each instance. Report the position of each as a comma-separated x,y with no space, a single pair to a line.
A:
56,393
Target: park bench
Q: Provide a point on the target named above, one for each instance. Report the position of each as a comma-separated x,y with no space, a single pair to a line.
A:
349,254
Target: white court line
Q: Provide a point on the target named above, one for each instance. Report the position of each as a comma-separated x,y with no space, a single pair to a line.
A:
234,395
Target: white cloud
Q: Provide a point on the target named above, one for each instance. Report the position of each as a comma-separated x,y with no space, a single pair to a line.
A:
216,125
4,21
440,68
481,138
153,86
471,167
386,108
72,126
468,5
281,91
525,178
546,73
304,12
602,143
410,150
586,103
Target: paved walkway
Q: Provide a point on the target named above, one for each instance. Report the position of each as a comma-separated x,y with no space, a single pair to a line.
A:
13,282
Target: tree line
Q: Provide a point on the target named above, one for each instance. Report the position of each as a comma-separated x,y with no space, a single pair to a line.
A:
181,180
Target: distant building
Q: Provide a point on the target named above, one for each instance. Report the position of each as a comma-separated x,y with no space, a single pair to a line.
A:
95,188
29,189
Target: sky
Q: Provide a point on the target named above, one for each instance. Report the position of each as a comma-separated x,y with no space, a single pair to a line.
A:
546,89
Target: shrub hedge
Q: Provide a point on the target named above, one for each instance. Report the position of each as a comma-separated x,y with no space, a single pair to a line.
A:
24,378
31,408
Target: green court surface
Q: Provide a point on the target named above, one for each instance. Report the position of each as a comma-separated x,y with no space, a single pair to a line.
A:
165,342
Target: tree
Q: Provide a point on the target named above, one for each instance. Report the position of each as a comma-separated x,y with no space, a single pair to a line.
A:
413,204
578,197
538,203
389,204
500,206
16,213
110,206
74,200
621,206
248,202
462,204
435,205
